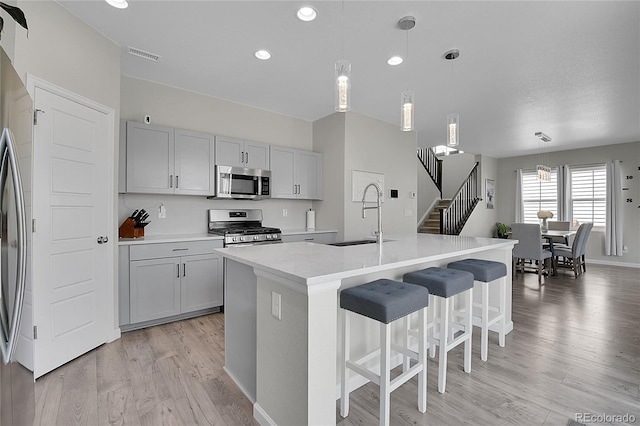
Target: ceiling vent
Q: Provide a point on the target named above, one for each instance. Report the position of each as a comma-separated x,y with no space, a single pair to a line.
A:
141,53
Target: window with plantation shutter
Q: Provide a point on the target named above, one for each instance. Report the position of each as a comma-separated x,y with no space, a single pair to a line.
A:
588,194
537,195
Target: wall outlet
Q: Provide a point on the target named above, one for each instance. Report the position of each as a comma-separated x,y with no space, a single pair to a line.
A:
284,212
162,212
625,249
276,305
147,119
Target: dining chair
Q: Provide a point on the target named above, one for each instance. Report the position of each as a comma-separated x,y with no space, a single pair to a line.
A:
557,225
529,247
574,257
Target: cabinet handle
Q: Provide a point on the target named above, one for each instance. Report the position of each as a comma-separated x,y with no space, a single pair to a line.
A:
170,181
242,156
246,157
177,181
180,249
184,269
177,270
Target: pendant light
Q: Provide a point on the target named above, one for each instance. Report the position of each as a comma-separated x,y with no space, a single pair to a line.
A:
407,97
453,119
343,78
543,171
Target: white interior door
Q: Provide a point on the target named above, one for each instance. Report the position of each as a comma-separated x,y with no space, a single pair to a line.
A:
71,204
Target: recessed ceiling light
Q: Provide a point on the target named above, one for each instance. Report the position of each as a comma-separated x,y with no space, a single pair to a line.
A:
263,54
120,4
307,13
395,60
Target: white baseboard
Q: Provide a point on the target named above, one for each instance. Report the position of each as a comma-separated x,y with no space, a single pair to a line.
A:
612,263
424,216
261,416
237,382
114,334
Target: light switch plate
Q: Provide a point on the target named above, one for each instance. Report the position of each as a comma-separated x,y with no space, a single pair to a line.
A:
276,305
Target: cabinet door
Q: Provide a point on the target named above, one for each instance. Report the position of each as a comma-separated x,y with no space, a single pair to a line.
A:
201,285
282,172
194,166
229,152
154,289
256,155
150,159
308,172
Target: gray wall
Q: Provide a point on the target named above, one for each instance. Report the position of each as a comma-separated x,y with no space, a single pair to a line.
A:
351,141
482,221
173,107
328,138
455,169
629,153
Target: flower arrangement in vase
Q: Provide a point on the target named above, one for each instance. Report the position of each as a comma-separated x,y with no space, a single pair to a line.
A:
544,215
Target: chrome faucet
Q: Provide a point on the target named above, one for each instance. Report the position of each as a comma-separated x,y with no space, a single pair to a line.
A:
379,207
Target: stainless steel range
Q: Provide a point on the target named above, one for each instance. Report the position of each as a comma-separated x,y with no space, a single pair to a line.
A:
242,228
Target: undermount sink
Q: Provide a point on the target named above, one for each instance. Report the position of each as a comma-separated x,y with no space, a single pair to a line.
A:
354,243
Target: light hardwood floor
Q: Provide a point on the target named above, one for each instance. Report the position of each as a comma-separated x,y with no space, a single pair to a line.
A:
575,348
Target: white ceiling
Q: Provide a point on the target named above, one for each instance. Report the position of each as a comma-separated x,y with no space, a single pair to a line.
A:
570,69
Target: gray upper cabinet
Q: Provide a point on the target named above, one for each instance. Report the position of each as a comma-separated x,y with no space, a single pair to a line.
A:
240,153
194,165
150,158
163,160
296,173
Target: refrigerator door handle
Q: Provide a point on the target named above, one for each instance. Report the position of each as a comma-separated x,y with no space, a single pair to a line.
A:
10,157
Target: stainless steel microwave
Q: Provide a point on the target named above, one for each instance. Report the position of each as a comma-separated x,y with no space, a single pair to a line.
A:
241,183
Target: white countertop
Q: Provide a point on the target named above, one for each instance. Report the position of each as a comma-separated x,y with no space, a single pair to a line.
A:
309,263
154,239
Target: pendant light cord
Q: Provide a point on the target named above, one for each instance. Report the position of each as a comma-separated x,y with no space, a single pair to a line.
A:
453,84
342,23
407,59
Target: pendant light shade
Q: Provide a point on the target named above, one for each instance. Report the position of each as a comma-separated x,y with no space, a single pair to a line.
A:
407,111
453,119
406,97
453,134
343,86
543,171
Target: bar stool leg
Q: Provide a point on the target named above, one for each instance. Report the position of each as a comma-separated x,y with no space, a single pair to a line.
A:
433,313
406,361
422,358
484,320
344,397
468,328
502,310
385,373
444,327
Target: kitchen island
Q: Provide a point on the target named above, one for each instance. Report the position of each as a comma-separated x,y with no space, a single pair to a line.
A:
281,313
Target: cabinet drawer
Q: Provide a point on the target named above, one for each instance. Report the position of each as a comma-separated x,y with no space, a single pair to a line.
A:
156,251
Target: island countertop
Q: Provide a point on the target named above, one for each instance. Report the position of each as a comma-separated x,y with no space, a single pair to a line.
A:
309,263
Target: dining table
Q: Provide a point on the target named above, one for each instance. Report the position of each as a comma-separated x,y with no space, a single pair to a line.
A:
549,236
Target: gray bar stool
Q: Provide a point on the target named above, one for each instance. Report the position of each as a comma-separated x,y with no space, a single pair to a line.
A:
445,284
485,272
384,301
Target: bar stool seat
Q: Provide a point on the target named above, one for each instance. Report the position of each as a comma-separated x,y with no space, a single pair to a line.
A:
484,273
445,284
384,301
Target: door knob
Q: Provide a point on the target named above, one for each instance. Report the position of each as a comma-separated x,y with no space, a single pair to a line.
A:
102,240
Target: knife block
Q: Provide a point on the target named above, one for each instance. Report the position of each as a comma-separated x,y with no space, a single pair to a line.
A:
128,229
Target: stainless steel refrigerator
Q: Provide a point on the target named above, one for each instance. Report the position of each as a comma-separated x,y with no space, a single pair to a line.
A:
17,401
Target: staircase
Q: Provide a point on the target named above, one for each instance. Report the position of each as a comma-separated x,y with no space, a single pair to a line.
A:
450,216
431,224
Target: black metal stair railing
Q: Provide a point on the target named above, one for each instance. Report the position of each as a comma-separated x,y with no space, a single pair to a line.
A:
433,165
453,218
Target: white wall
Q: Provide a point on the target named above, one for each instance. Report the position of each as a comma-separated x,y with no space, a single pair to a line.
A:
482,221
629,153
375,146
455,169
173,107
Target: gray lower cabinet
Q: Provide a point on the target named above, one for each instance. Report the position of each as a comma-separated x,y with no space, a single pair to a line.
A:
163,282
